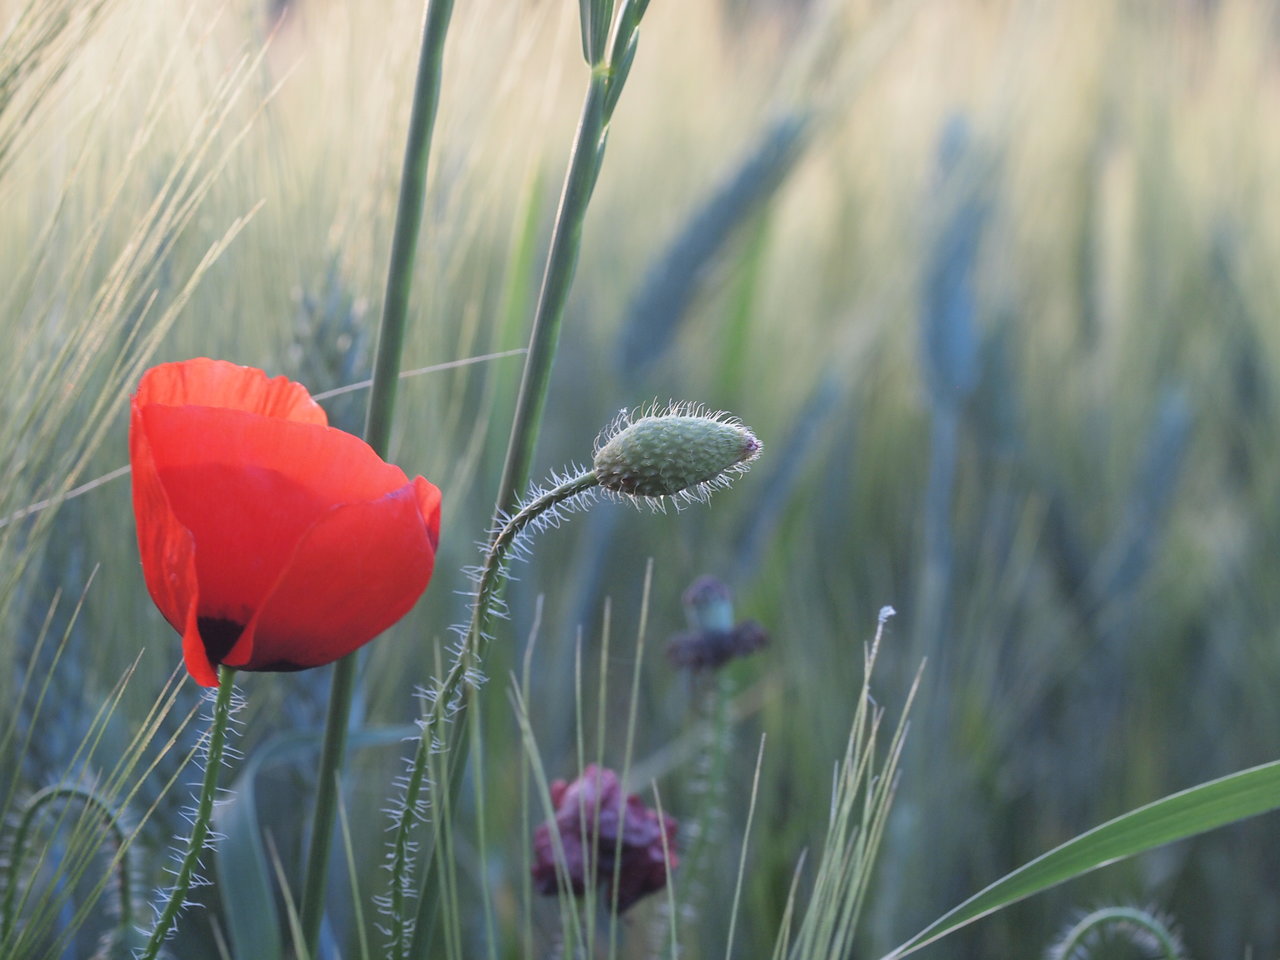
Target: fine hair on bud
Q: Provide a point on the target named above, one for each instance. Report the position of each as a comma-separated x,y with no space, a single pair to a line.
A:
683,453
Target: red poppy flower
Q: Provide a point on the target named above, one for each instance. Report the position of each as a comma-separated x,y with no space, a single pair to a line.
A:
269,540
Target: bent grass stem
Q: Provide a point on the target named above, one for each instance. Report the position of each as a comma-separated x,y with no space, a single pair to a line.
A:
18,851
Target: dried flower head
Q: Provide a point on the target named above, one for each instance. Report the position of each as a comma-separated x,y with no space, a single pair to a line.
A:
604,835
684,452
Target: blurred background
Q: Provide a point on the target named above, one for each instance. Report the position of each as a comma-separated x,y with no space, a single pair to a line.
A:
989,280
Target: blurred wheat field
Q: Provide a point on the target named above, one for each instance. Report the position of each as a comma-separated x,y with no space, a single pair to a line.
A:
990,279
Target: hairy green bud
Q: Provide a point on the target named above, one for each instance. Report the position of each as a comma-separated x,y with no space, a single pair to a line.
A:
683,453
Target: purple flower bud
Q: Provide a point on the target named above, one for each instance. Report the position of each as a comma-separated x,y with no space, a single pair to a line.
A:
604,834
709,604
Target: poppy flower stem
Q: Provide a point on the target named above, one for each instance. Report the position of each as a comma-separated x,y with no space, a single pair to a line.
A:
449,700
217,739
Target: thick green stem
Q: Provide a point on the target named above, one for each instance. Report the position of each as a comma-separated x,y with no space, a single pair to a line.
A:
447,704
608,76
452,695
566,238
204,808
386,377
710,773
404,242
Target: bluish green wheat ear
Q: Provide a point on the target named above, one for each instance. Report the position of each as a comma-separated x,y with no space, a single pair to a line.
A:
679,454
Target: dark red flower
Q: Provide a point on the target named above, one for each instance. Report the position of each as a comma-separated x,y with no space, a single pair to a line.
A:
602,834
269,540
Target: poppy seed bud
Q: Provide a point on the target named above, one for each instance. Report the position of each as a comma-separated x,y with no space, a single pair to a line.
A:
684,453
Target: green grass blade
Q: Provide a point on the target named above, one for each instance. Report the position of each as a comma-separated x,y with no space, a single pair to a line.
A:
243,861
1175,817
249,905
562,260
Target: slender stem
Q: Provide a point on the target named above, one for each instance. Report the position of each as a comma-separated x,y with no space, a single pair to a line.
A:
452,694
566,238
204,808
386,377
447,704
487,586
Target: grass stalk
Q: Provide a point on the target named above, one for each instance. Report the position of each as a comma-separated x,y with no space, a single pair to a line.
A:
585,160
386,378
566,239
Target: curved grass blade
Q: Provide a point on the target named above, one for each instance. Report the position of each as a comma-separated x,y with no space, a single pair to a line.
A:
1187,813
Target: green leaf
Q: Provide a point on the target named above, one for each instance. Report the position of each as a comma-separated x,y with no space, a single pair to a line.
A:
601,21
584,25
595,17
620,68
248,900
1175,817
247,888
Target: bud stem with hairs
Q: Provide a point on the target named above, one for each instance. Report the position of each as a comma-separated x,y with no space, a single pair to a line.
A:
681,454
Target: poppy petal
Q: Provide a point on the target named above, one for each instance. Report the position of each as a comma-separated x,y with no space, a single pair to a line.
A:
168,554
249,487
228,386
196,655
355,572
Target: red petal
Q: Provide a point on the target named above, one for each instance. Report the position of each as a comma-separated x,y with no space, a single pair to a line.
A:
357,571
168,554
194,654
216,383
248,488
